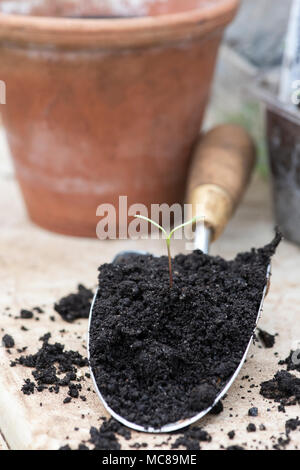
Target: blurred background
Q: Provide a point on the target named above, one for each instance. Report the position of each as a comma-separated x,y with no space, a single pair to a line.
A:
79,115
251,46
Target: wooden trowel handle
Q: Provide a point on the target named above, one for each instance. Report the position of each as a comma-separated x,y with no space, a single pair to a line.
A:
221,169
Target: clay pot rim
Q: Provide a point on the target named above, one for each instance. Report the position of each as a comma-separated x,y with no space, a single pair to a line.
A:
112,33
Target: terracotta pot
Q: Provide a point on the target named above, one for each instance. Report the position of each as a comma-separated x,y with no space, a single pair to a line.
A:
98,108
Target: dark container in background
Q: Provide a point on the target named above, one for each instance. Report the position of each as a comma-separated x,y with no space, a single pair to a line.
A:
283,140
283,130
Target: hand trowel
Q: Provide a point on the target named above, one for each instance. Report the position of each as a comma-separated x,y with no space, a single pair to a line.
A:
221,167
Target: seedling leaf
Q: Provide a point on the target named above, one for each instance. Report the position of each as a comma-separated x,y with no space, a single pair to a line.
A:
168,237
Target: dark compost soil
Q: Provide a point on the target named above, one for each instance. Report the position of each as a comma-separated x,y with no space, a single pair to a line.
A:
53,367
75,306
284,388
266,338
8,341
292,361
191,438
161,354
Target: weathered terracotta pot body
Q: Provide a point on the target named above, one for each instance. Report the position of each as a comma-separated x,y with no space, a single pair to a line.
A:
98,108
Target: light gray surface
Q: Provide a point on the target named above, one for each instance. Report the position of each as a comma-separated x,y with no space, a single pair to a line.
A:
259,30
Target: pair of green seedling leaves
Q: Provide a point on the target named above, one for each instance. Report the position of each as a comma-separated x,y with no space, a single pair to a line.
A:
168,237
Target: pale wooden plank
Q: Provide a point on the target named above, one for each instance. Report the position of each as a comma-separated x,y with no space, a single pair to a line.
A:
3,445
38,267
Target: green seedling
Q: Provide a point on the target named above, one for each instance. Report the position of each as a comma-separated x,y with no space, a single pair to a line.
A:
168,238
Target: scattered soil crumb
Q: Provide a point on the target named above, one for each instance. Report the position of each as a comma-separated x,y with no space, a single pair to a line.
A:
38,310
53,367
217,409
253,412
28,387
75,306
290,426
292,361
105,438
191,438
283,388
267,339
8,341
138,445
26,314
251,427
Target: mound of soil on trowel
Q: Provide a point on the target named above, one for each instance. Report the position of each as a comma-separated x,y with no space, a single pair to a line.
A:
161,354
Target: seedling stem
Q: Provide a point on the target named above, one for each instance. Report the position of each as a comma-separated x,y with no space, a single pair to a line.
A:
168,238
